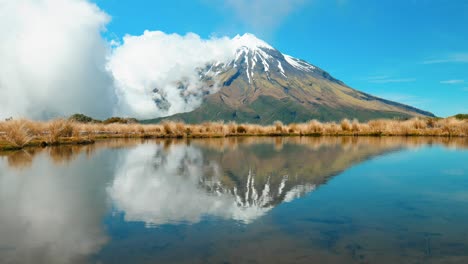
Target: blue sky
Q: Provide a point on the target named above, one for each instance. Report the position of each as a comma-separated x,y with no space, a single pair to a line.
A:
411,51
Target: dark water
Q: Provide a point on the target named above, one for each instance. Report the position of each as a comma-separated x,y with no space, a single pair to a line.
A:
246,200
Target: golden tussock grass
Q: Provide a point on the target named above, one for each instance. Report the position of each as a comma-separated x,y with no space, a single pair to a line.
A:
20,133
16,132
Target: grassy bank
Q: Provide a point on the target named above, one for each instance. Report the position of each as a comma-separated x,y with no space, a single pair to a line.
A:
17,134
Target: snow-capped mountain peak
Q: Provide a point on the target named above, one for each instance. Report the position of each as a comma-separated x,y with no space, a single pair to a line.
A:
254,57
250,41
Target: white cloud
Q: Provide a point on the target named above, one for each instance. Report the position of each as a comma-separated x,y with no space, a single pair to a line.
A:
156,60
452,81
52,59
407,99
377,77
453,58
386,79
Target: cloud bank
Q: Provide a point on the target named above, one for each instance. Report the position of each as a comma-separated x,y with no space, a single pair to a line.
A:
52,59
453,58
387,79
452,81
164,68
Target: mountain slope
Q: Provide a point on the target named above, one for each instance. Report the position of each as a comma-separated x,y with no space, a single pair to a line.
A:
261,85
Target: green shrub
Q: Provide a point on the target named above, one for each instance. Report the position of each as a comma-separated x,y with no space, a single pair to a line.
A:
80,118
461,116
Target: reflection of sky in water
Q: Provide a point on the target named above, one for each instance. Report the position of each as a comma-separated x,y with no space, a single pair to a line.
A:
252,203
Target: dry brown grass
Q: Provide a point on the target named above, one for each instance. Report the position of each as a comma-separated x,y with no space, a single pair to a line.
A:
16,132
19,133
346,125
59,128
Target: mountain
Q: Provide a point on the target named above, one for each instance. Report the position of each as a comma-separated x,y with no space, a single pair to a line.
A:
260,85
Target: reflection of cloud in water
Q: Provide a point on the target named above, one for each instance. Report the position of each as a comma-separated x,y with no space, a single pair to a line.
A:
47,214
176,185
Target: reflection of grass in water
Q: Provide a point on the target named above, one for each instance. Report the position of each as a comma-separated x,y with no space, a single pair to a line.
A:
230,143
351,145
20,159
64,154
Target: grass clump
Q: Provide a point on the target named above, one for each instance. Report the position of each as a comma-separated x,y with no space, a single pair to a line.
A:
16,132
59,128
241,129
346,125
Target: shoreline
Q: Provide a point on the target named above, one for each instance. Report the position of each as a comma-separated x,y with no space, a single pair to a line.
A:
5,146
19,134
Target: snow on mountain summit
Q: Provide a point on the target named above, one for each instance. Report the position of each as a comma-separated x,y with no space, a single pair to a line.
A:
250,41
254,56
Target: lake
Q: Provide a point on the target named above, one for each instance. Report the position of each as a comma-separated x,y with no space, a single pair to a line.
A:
237,200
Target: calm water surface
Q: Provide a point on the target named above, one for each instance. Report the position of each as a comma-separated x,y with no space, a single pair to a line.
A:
244,200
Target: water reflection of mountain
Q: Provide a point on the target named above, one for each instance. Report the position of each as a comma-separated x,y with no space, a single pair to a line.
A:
287,168
173,183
